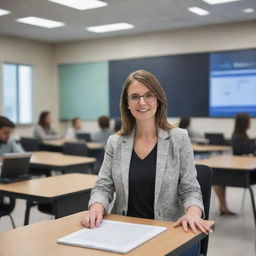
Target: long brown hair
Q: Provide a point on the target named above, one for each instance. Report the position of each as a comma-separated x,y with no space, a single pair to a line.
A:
242,123
42,120
151,82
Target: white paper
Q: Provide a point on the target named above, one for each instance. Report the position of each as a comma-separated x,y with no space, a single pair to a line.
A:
115,236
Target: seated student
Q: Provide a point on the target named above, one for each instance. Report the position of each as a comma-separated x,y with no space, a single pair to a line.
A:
184,123
102,135
7,145
43,129
74,129
241,143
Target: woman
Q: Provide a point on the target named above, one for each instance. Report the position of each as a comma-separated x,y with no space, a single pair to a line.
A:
43,129
149,163
76,127
241,144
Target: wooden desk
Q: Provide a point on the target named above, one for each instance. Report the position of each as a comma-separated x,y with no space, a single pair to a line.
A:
59,161
60,143
199,149
68,193
235,171
40,239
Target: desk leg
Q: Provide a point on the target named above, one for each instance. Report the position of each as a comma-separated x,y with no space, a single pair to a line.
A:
29,204
253,204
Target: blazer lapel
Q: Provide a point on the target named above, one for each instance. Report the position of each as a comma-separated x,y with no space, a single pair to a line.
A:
126,153
162,151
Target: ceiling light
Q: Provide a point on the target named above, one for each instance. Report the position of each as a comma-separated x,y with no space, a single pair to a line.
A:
81,4
219,1
198,11
248,10
41,22
110,27
4,12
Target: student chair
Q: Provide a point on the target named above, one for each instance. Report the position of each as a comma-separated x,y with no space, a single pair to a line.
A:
75,148
30,144
84,136
204,177
216,138
6,208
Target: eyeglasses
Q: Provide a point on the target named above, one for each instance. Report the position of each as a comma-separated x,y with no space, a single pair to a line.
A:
148,97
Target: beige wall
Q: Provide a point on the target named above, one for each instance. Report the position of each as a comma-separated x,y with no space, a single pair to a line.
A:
204,39
40,56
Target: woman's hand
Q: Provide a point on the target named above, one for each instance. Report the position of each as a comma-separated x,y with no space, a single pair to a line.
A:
192,218
94,216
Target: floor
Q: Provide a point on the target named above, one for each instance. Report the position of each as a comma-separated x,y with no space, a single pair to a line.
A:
234,236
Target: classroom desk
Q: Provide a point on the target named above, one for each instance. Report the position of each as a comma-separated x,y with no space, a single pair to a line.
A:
234,171
59,161
68,193
199,149
60,143
40,239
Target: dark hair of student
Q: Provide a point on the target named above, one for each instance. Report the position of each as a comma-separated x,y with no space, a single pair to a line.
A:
103,122
42,117
242,122
73,121
5,122
151,82
184,122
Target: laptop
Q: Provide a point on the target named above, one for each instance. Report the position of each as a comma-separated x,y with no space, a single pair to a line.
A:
15,167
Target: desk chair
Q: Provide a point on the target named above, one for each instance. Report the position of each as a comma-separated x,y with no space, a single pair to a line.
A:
7,208
204,177
31,145
84,136
216,138
75,148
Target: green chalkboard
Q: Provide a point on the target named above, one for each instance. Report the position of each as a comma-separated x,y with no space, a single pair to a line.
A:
83,90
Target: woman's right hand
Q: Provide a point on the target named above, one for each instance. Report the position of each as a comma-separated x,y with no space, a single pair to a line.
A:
94,216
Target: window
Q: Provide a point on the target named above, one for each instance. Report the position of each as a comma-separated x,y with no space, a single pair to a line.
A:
17,93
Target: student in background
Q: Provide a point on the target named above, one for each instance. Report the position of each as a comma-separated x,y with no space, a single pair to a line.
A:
241,143
102,135
184,123
7,145
43,129
158,176
76,127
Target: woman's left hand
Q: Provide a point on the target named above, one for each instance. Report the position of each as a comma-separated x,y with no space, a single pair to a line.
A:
192,219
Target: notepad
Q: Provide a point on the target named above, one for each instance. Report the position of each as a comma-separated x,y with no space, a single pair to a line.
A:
114,236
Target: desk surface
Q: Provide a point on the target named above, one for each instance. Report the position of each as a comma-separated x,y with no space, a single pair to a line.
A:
60,143
59,159
40,238
230,162
210,148
52,186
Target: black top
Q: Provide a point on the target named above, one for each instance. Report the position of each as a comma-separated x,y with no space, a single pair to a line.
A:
142,185
242,146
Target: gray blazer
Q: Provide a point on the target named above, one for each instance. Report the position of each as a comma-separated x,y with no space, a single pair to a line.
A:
176,186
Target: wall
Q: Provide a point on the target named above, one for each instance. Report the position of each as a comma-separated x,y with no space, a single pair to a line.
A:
40,55
203,39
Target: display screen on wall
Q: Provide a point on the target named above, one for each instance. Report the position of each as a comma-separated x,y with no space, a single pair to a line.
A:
232,83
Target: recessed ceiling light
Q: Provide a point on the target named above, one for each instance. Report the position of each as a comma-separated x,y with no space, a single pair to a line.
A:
248,10
219,1
110,27
81,4
198,11
4,12
40,22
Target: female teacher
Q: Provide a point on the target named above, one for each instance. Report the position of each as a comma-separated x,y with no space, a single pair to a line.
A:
148,164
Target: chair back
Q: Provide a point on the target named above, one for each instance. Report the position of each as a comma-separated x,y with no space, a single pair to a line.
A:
75,148
215,138
30,144
84,136
204,177
7,208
